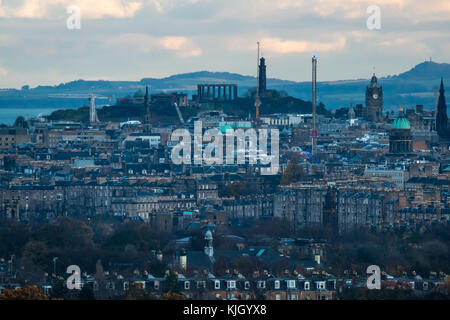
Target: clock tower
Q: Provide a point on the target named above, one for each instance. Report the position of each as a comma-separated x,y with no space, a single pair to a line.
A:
374,100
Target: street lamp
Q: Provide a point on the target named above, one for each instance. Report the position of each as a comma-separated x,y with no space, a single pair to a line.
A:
54,265
11,261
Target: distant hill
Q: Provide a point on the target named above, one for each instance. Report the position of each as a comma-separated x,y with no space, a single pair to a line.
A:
427,70
415,86
189,81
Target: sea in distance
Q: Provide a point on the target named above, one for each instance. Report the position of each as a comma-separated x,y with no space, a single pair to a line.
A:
10,109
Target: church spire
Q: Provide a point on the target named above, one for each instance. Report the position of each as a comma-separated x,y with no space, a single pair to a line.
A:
441,116
146,96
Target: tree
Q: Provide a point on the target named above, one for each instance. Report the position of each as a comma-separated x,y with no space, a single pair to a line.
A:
172,296
13,235
25,293
136,292
245,266
236,189
141,236
86,293
171,282
37,252
293,173
447,284
59,288
221,265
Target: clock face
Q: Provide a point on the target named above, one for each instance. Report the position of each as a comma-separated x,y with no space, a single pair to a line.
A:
375,96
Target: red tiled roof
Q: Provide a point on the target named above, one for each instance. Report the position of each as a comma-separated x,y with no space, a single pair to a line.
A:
420,145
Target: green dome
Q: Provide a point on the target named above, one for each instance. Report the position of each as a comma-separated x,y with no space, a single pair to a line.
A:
401,122
226,128
139,95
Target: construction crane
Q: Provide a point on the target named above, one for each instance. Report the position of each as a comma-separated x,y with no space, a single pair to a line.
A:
314,95
93,117
180,116
257,102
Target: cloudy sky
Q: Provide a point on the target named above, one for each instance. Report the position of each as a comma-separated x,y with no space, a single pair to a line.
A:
132,39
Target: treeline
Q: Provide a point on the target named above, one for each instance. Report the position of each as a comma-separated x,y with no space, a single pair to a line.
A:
79,242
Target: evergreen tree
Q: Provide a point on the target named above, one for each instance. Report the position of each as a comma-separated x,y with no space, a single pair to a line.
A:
293,173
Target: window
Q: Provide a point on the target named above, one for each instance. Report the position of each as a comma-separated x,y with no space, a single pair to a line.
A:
321,285
261,284
187,285
217,284
247,285
291,284
277,284
156,285
231,284
306,286
277,296
110,285
201,284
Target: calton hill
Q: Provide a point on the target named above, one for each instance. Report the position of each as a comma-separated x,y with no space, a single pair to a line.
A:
163,113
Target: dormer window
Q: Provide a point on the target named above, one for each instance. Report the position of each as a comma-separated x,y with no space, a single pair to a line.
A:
231,284
247,285
261,284
277,284
306,286
187,285
291,284
217,284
